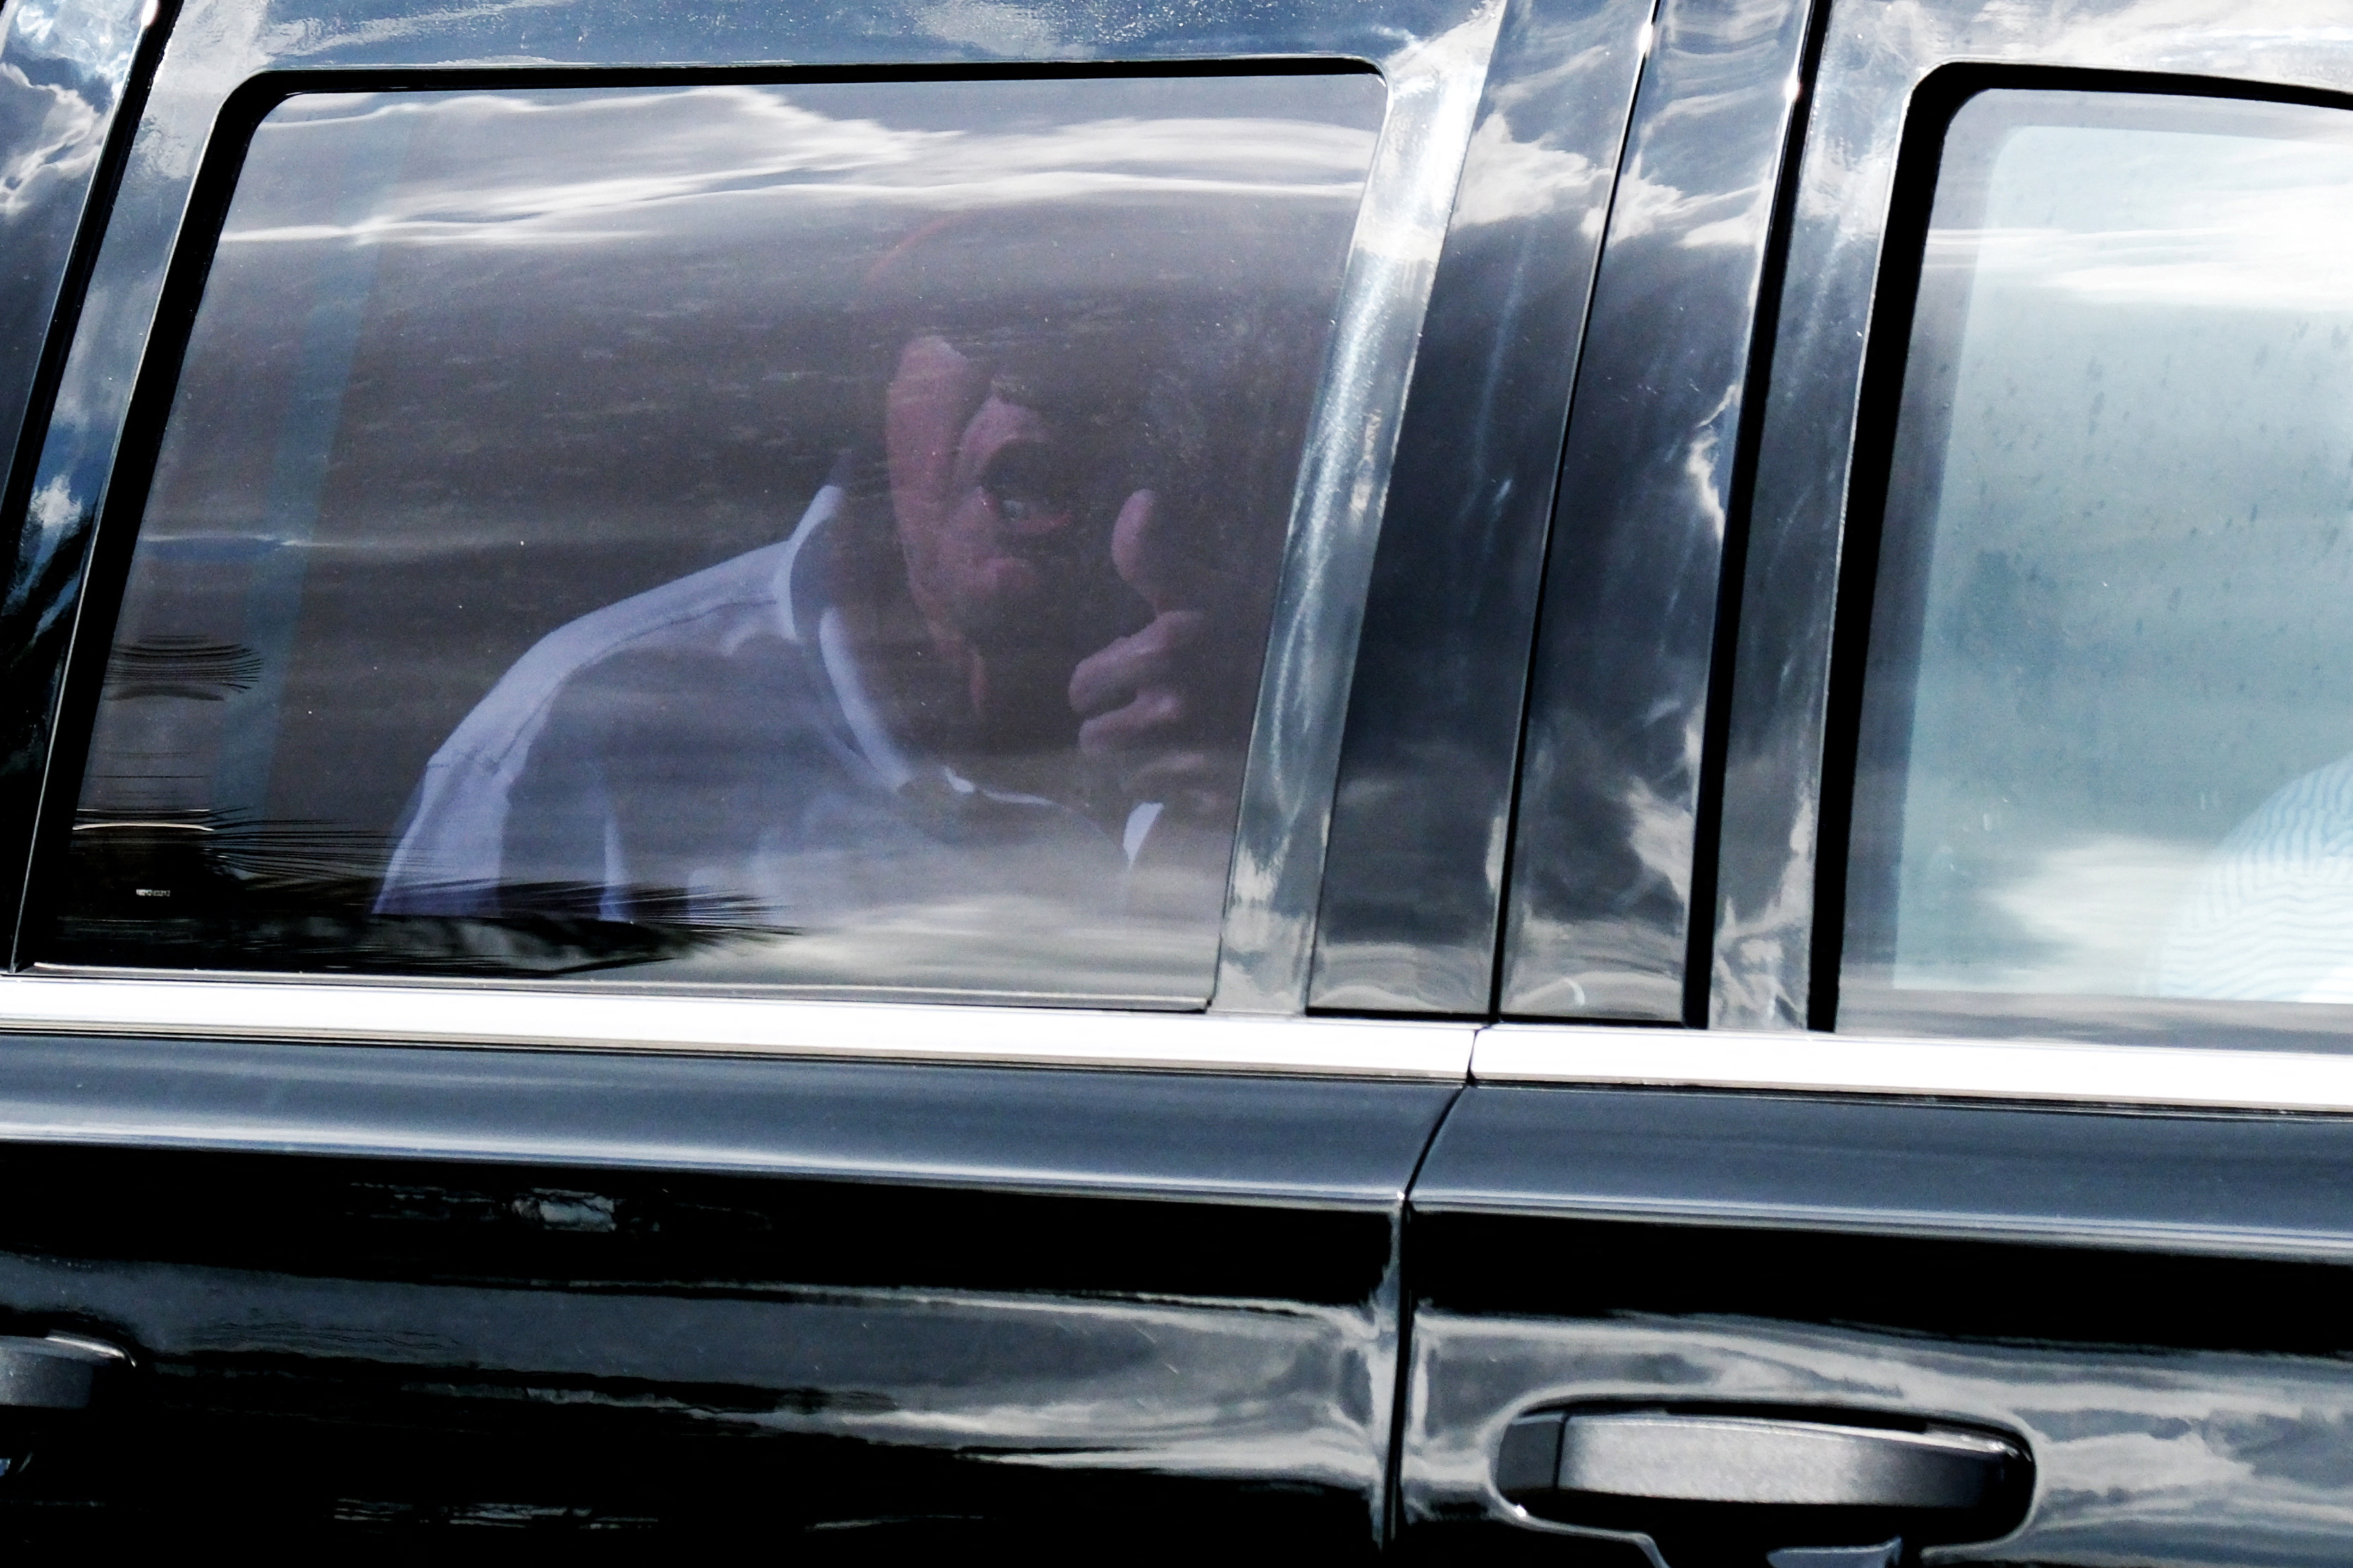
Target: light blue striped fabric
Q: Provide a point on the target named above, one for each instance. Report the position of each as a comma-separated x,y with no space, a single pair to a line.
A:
2270,919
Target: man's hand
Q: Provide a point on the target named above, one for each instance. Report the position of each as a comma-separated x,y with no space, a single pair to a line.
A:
1155,701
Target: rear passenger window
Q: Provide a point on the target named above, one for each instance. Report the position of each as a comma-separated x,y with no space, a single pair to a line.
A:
2106,736
817,535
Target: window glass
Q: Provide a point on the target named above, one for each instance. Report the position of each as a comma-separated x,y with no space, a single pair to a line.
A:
2108,729
817,535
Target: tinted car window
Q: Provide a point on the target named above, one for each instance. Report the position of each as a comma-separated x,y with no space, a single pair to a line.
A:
816,534
2107,727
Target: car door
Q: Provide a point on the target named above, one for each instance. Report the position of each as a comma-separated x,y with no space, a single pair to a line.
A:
372,354
1917,1127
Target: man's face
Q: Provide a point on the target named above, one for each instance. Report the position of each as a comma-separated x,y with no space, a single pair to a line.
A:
983,489
1080,601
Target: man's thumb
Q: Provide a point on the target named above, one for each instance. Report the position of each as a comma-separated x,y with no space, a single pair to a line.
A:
1141,554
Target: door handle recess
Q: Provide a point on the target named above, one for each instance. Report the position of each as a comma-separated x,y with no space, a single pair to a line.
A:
45,1383
1711,1486
57,1372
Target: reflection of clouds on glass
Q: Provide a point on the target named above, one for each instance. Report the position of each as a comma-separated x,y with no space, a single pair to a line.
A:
53,511
53,506
65,64
568,171
2099,908
1504,178
96,41
1002,29
2126,218
314,37
497,442
1659,825
1028,946
1644,206
67,142
2196,30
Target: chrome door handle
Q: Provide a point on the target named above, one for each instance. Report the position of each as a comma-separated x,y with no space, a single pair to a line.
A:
57,1372
1728,1486
1746,1460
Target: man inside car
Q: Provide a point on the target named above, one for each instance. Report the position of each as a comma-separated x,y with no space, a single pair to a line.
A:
1006,652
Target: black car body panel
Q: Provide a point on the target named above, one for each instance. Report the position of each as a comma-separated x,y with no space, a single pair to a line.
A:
796,1318
2148,1298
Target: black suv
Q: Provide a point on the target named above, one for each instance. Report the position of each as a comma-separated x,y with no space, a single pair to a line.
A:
1551,779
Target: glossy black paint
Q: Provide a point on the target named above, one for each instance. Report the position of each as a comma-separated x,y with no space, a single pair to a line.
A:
1610,798
1413,871
59,98
2250,1183
1328,1144
1905,1284
58,106
2158,1302
856,1306
472,1342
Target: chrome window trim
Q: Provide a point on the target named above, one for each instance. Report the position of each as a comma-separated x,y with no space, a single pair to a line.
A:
580,1018
507,1016
2070,1072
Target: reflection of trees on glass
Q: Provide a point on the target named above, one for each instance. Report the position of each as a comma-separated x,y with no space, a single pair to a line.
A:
236,894
190,667
820,535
